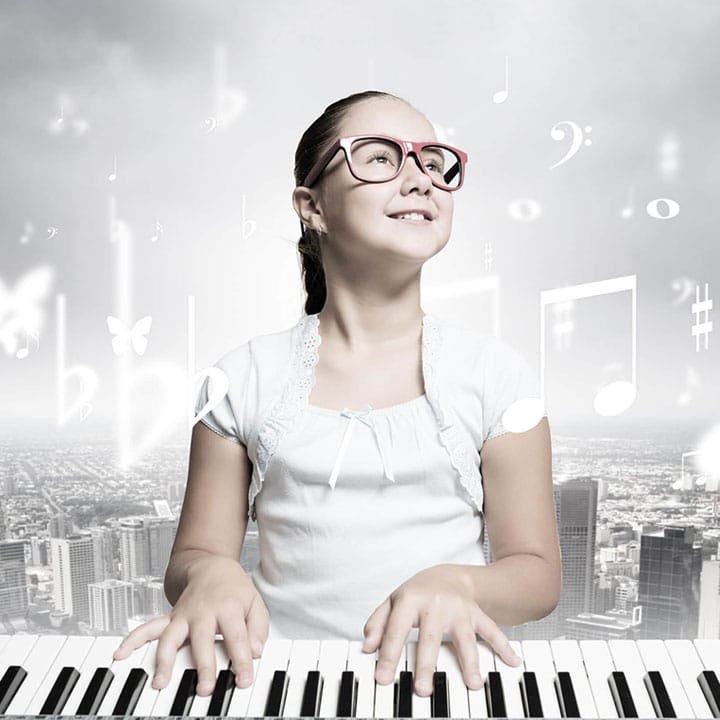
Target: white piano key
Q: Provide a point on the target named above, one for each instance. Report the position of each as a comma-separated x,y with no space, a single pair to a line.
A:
457,690
567,657
511,682
201,703
276,655
385,694
121,669
98,655
303,659
3,641
655,657
709,652
363,664
15,650
164,700
72,652
688,665
626,657
421,707
599,666
149,694
332,662
538,658
476,698
240,699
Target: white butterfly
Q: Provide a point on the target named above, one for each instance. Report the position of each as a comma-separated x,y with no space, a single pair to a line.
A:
123,334
20,308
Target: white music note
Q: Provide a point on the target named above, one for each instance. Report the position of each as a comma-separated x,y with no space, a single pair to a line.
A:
158,232
248,226
22,353
502,95
113,175
629,210
229,102
29,231
616,397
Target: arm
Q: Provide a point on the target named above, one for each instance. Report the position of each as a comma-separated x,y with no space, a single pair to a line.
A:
523,582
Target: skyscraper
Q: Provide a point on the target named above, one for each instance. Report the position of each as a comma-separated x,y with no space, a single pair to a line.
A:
669,589
73,569
111,603
13,587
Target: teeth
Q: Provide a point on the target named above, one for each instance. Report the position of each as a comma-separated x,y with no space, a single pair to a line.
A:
411,216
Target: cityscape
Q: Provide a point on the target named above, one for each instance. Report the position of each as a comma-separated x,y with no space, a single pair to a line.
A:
84,546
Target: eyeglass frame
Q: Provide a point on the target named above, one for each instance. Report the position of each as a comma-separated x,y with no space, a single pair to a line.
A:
407,147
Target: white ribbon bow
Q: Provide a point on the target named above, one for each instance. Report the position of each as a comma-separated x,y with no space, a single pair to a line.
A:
364,417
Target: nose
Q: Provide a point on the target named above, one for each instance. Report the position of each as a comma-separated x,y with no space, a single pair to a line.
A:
414,172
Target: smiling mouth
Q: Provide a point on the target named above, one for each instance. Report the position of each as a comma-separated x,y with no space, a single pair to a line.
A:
412,219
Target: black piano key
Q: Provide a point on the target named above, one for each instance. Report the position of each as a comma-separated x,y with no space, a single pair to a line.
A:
347,697
403,707
711,690
620,690
96,690
10,683
185,693
276,696
566,695
440,700
60,691
130,693
494,695
222,694
310,705
530,695
659,695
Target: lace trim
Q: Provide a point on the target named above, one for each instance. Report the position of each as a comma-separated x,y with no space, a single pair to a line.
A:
455,444
295,396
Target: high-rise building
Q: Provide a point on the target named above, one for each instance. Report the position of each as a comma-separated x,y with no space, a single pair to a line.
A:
575,514
60,525
669,588
709,621
145,545
73,570
103,549
13,585
111,604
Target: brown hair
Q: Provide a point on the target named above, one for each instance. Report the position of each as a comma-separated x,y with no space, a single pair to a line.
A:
315,140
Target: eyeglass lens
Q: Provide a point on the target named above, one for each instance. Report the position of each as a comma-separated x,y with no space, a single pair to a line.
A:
376,159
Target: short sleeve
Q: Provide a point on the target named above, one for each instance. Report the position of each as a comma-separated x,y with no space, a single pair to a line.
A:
227,387
506,377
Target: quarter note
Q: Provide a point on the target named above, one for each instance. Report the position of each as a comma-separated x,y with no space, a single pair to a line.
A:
501,95
113,175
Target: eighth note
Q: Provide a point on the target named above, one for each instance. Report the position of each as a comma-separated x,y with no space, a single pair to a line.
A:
158,232
502,95
22,353
113,175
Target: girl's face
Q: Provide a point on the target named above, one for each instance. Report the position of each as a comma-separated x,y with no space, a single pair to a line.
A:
357,215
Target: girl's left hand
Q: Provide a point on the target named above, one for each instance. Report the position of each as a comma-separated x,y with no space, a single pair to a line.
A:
437,600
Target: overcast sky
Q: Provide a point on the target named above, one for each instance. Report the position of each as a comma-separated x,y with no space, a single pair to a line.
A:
202,190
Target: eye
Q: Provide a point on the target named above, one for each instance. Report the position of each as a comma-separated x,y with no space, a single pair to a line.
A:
381,156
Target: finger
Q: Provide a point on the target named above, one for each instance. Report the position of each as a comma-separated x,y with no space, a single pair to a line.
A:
375,626
146,632
202,646
394,638
167,646
430,635
258,626
463,637
497,640
237,645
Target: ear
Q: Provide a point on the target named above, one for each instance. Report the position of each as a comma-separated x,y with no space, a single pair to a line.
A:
306,206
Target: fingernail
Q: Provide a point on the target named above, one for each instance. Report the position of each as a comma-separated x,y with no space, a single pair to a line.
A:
158,680
257,647
423,686
476,682
245,677
204,686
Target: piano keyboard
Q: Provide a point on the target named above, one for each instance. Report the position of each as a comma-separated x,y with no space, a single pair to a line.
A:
76,675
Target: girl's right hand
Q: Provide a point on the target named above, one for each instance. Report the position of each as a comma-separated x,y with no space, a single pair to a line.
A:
219,598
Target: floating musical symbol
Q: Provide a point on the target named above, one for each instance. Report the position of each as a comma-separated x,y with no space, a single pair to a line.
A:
502,95
52,232
524,210
653,209
251,224
211,124
705,327
229,102
22,353
122,334
629,210
29,231
682,285
577,139
113,175
58,125
488,256
616,397
158,232
692,382
668,156
20,308
85,410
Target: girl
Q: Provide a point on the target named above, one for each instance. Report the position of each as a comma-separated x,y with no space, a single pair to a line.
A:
356,439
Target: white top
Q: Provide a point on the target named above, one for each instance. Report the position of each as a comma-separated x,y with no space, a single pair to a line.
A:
349,504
